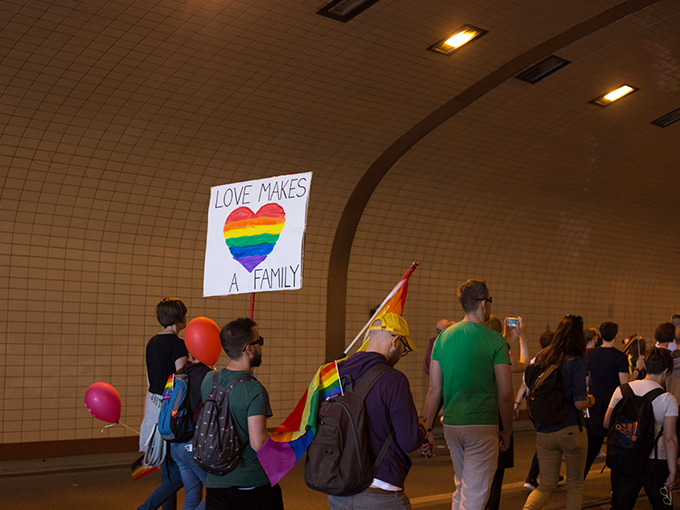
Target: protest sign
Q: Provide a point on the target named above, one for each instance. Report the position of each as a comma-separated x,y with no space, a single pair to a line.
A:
255,235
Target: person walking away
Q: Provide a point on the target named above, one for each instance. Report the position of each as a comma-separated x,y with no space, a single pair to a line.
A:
657,476
247,485
567,438
470,369
193,476
389,409
165,354
608,369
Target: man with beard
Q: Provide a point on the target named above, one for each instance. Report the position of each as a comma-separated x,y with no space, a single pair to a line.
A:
389,408
247,485
470,370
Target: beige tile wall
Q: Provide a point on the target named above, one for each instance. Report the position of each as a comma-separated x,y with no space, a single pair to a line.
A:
116,118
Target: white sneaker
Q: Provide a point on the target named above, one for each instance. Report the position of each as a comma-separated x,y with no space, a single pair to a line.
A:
530,487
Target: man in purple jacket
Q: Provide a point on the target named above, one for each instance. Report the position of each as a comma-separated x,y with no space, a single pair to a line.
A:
389,407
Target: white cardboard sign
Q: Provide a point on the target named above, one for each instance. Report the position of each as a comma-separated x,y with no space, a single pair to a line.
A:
255,235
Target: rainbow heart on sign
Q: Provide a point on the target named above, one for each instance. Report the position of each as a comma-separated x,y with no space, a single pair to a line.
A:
252,236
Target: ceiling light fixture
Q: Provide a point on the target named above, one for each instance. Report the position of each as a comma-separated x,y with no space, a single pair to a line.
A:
345,10
668,119
464,35
544,68
614,95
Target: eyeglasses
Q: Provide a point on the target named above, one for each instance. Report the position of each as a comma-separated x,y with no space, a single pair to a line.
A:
667,496
259,341
489,299
407,349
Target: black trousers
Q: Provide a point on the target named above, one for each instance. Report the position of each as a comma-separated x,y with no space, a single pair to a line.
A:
625,489
233,498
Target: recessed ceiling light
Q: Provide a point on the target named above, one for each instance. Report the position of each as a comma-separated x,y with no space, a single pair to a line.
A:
544,68
345,10
614,95
461,37
668,119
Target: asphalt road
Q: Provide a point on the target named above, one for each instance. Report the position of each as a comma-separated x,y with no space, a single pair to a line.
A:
104,483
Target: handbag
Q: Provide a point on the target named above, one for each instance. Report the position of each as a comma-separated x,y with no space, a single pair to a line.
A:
156,448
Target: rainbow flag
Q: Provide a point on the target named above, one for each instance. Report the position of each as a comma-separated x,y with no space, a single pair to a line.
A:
139,469
252,236
393,303
289,442
167,390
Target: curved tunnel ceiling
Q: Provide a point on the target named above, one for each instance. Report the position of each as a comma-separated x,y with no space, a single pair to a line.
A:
361,195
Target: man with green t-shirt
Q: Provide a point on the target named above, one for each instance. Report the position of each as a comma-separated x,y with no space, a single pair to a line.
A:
470,370
247,485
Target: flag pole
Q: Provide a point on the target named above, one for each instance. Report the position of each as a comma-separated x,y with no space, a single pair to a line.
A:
252,304
404,278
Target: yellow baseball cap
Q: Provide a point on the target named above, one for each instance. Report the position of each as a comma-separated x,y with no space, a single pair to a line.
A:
395,324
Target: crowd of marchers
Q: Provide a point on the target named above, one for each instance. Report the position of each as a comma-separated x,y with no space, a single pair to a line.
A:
584,387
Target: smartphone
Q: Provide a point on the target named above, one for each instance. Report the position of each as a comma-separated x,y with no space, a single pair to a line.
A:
513,322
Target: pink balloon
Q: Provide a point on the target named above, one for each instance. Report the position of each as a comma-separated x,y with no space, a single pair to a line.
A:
103,402
202,338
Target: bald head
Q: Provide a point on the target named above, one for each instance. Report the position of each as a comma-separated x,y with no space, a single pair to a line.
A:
443,324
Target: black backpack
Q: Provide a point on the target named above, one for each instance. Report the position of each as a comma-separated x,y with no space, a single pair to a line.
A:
546,400
338,462
174,421
216,446
631,436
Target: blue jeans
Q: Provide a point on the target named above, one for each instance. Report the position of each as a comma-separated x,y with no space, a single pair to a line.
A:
193,476
166,493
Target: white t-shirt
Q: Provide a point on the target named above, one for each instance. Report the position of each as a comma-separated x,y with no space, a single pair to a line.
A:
664,405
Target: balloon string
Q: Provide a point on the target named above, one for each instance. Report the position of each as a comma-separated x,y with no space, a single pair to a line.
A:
119,423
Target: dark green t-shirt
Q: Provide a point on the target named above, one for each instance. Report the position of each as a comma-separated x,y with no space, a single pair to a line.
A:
248,398
467,353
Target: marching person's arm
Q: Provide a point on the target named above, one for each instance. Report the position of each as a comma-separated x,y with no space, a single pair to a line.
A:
670,442
505,402
610,409
434,395
409,431
257,431
580,392
518,399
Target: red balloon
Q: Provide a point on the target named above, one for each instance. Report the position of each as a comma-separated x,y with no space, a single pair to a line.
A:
202,338
103,402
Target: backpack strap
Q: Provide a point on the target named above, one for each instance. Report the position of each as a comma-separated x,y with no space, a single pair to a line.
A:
362,390
216,383
626,391
651,395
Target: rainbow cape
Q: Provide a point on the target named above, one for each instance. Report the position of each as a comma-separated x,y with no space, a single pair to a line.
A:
288,443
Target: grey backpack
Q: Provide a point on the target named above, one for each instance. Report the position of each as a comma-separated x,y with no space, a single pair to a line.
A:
216,447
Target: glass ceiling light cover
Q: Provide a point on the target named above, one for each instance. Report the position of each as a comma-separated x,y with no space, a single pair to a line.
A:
462,36
614,95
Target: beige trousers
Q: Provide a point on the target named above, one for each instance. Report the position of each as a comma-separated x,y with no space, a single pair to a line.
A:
474,452
571,442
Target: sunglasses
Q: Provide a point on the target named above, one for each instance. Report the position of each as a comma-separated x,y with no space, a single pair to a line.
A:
488,299
667,495
259,341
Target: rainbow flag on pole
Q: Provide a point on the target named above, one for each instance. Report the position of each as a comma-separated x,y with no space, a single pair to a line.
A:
289,442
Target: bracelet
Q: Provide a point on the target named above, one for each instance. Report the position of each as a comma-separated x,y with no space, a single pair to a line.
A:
518,403
430,429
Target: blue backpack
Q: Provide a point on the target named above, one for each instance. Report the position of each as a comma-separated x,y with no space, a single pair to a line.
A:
174,422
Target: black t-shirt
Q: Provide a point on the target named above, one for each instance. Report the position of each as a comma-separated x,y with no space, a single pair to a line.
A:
604,365
161,353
